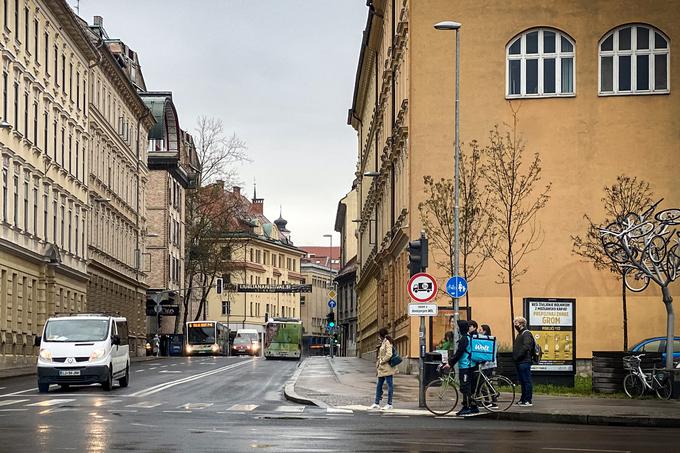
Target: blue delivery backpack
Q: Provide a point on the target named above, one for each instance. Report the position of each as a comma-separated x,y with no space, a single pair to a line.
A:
483,348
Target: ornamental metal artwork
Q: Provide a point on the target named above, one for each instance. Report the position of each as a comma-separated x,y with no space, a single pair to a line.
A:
646,247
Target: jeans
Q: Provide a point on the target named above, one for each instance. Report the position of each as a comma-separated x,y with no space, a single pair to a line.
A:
379,389
524,375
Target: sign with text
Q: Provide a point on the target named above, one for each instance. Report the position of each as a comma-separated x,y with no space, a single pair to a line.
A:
422,309
552,322
285,288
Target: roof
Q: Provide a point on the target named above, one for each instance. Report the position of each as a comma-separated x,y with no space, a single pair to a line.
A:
164,112
319,255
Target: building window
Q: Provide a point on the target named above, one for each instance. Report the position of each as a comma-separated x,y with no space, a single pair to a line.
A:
61,224
5,14
45,212
70,226
26,27
54,219
5,188
70,153
78,160
26,109
16,106
47,54
77,235
4,95
16,200
35,209
35,124
56,64
26,192
36,33
78,91
63,145
63,73
70,82
540,63
226,309
634,60
16,20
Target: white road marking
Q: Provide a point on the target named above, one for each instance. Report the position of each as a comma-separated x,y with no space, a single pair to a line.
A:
105,402
177,412
144,405
170,371
140,371
153,368
195,406
3,388
335,410
20,392
12,410
585,449
123,410
297,409
48,403
9,402
167,385
243,407
164,366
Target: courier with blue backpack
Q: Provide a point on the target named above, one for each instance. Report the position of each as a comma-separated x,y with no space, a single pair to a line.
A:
482,348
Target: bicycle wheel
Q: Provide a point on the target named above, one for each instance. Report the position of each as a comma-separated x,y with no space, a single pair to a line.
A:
441,397
633,386
664,387
497,395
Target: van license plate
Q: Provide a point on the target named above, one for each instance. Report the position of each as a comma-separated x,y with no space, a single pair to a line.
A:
69,372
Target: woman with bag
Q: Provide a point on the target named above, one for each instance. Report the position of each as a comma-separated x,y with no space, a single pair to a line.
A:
385,371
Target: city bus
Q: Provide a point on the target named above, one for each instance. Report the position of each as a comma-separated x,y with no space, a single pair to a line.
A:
283,338
206,337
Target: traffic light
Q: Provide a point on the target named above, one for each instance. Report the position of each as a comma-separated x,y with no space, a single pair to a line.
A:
150,307
417,255
330,320
218,285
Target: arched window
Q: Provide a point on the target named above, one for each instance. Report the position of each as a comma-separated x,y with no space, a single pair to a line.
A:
540,63
634,60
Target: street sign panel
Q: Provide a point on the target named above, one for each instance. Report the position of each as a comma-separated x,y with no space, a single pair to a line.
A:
332,303
456,286
422,309
332,294
170,310
422,287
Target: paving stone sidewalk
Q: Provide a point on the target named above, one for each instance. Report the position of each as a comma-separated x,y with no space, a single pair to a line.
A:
349,382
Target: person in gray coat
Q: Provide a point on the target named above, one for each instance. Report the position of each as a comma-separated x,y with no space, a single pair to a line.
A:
521,354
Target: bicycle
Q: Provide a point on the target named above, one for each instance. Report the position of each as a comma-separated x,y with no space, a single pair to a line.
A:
495,394
637,381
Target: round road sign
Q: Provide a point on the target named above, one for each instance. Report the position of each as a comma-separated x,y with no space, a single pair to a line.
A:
422,287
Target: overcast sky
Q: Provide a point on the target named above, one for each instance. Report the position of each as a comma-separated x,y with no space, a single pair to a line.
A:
279,73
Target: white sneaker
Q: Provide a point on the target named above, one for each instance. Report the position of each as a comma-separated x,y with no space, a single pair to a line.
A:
387,407
374,406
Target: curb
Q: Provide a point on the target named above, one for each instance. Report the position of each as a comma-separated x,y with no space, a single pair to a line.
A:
291,395
584,419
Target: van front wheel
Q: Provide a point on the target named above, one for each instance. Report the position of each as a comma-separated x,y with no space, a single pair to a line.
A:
108,383
43,388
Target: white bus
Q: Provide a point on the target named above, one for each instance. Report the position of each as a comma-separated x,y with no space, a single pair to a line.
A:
206,337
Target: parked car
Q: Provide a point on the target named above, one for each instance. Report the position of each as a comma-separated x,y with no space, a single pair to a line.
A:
658,344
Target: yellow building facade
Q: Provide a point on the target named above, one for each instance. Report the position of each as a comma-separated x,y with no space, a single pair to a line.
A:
592,83
44,206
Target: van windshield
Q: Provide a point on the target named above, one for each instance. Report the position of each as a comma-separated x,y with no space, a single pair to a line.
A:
68,330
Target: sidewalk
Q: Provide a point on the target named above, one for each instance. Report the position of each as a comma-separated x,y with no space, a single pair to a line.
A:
30,369
349,383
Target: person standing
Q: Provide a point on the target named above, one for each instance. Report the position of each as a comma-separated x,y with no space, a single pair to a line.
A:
384,370
466,369
521,354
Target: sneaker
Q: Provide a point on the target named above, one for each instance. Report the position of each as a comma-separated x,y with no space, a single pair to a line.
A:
374,406
519,403
474,410
527,404
493,406
387,407
464,412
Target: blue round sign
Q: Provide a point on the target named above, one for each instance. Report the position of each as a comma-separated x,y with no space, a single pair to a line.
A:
332,303
456,286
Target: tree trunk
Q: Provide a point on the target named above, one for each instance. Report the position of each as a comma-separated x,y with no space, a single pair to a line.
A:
512,307
187,300
625,314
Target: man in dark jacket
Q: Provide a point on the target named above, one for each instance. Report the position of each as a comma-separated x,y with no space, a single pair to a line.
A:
521,353
466,369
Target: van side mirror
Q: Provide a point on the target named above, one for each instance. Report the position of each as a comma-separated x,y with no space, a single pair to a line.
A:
36,341
115,340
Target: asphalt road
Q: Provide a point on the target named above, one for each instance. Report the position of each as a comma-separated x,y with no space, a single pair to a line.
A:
236,404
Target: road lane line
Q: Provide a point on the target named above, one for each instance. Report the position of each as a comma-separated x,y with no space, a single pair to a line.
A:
195,406
9,402
19,392
177,412
145,405
12,410
48,403
140,371
297,409
243,407
170,372
167,385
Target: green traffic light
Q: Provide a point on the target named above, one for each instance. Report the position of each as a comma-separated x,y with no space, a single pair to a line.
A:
331,324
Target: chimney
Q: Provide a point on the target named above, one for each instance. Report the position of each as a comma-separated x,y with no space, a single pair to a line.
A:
99,21
236,190
258,206
220,183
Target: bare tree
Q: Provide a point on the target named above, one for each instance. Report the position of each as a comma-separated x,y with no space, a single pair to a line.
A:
515,198
437,216
212,215
624,196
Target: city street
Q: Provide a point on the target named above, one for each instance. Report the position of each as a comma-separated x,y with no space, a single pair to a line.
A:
237,404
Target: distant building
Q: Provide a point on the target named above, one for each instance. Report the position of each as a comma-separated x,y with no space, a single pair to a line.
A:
346,278
323,256
314,305
262,256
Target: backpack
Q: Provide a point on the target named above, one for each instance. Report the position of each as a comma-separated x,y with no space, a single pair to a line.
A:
396,358
536,351
482,348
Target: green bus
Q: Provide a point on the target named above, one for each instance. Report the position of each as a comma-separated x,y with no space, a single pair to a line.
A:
283,338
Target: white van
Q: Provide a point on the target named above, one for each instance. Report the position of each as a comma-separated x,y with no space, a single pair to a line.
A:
83,349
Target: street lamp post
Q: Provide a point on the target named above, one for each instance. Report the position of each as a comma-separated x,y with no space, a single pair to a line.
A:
450,25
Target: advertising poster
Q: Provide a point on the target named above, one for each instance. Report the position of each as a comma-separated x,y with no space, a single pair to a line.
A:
553,325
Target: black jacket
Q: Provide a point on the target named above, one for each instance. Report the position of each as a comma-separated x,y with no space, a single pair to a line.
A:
461,346
521,348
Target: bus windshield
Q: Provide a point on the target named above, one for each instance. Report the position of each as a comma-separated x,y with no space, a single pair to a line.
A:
203,333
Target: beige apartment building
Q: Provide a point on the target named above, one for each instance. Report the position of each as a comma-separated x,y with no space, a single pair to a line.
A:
314,306
118,174
263,256
592,82
44,204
